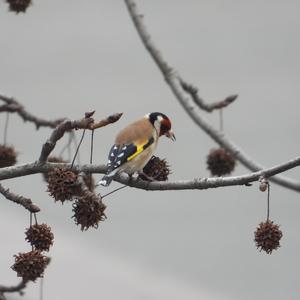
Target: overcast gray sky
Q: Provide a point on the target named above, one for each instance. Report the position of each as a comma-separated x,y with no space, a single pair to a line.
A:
63,58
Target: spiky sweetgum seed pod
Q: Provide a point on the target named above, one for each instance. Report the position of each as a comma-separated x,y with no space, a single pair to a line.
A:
88,211
53,159
267,236
40,236
8,156
156,169
220,162
30,265
62,184
18,5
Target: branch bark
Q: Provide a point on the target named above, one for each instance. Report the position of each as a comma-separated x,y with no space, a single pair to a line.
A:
12,289
59,132
208,107
174,82
197,183
13,106
25,202
86,123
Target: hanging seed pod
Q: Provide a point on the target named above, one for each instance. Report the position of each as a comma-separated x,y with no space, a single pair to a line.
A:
156,169
220,162
88,178
88,211
267,236
30,265
18,5
62,184
40,236
8,156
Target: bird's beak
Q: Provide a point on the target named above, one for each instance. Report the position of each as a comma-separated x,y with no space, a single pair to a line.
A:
170,134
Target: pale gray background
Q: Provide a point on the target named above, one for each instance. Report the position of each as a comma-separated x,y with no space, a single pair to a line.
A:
63,58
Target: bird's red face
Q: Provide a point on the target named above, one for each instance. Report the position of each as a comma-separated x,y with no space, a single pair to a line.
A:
162,124
165,129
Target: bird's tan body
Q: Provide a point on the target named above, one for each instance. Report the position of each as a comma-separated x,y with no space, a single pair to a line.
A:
137,131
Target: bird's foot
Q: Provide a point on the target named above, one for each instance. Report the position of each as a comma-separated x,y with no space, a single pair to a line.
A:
145,177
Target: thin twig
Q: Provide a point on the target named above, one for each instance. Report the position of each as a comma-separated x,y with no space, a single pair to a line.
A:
87,193
268,206
174,82
77,149
30,225
12,289
41,288
193,91
25,202
120,188
67,146
13,106
92,146
58,133
75,144
5,128
109,120
35,219
85,123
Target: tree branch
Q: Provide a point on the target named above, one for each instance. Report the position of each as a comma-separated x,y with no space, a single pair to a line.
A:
13,106
12,289
174,82
193,91
197,183
109,120
59,132
86,123
214,182
25,202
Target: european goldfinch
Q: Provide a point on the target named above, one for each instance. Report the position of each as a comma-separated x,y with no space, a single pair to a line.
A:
135,145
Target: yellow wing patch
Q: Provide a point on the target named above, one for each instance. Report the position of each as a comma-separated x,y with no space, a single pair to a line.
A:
139,149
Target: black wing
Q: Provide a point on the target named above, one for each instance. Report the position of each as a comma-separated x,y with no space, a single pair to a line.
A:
120,154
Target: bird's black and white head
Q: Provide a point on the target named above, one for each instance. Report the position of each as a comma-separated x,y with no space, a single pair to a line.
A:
162,124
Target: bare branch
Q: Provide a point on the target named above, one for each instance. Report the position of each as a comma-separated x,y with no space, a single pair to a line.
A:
59,132
109,120
215,182
45,167
12,289
13,106
25,202
193,91
174,82
197,183
85,123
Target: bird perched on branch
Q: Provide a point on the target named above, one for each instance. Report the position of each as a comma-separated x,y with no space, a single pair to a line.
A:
135,145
